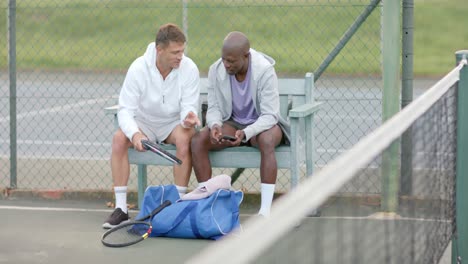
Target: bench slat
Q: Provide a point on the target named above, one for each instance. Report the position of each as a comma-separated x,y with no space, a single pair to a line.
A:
227,158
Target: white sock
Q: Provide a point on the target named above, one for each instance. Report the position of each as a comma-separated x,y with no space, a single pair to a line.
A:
201,184
121,198
182,190
267,192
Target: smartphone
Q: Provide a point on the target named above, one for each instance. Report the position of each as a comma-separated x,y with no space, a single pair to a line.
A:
230,138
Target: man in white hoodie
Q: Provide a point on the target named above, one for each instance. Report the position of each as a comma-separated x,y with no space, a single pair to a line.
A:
243,102
159,102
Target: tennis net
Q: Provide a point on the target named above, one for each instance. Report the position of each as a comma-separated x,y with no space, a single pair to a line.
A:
393,227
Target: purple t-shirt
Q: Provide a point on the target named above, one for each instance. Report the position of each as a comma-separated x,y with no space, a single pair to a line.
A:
243,109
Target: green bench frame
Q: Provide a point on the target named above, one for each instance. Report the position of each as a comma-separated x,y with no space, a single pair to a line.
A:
297,104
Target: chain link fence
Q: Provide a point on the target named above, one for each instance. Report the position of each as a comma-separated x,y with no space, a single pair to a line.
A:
72,56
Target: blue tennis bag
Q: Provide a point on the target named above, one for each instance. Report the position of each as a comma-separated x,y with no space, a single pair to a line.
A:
208,218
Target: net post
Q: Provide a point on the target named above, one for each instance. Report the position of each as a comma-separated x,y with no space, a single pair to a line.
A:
460,241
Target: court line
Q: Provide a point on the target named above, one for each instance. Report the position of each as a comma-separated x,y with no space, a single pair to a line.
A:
55,109
56,157
62,209
59,143
384,219
53,209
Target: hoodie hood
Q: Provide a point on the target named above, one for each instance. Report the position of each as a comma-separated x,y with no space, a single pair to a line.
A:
269,60
150,55
260,62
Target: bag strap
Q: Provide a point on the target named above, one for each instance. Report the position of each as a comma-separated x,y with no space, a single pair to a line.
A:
193,224
189,208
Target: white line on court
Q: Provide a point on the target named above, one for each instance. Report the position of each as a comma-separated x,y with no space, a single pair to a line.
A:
384,219
56,109
56,157
62,209
53,209
59,143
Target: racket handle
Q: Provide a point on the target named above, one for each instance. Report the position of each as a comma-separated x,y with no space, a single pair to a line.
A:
159,208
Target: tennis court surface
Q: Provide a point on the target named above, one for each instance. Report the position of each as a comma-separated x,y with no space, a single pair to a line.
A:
69,231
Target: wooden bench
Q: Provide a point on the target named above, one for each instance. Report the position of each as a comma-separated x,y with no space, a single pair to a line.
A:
297,104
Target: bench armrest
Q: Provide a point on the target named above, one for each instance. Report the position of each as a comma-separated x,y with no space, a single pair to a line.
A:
111,110
304,110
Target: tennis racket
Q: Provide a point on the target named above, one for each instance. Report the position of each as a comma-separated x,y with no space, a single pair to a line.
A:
131,232
152,146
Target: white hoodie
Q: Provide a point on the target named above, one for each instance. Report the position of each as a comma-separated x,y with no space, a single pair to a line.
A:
162,103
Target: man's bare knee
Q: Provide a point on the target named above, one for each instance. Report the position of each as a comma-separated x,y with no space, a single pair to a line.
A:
199,140
120,142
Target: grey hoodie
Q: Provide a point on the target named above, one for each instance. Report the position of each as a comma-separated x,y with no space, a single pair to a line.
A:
264,88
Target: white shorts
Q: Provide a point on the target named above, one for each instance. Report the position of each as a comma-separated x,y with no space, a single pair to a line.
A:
157,132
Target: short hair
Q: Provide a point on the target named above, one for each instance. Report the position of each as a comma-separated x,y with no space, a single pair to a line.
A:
169,32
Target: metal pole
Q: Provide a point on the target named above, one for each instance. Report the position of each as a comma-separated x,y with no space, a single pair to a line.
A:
185,22
391,102
12,77
460,241
406,183
345,38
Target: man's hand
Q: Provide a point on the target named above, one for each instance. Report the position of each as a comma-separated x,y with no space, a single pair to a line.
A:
216,134
191,120
240,134
136,140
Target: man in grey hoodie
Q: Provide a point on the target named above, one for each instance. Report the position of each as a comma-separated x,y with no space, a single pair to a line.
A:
243,102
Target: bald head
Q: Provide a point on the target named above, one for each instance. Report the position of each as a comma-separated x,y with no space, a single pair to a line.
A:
237,43
235,54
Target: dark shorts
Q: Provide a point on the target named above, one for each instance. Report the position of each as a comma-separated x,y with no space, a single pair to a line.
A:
234,124
239,126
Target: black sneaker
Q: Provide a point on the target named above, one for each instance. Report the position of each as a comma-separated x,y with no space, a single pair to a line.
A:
117,217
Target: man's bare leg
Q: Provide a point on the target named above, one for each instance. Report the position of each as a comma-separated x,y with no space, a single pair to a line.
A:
201,146
266,143
120,166
200,149
181,138
120,169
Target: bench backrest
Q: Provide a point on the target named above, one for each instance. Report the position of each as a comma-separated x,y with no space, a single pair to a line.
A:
293,92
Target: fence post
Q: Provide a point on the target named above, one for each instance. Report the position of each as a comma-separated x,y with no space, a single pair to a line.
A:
391,102
460,241
12,78
185,23
406,171
345,38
